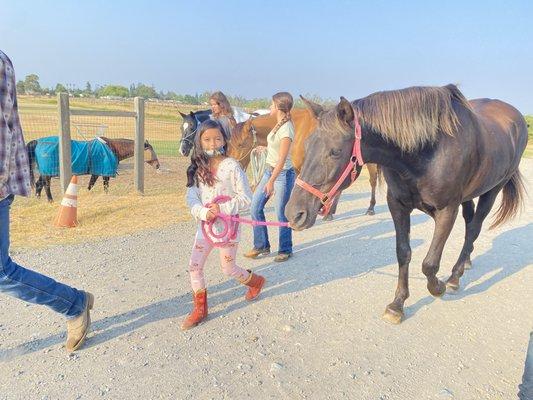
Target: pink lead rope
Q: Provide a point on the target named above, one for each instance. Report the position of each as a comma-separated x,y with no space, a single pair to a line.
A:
231,224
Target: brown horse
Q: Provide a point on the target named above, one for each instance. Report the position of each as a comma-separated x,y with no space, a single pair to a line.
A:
122,148
437,151
252,133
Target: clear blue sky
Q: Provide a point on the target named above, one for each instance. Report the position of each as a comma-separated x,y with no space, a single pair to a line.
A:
253,48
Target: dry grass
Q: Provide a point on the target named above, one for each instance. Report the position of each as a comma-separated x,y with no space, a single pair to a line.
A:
121,212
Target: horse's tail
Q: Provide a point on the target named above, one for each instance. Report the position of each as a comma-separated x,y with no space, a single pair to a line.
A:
512,199
30,147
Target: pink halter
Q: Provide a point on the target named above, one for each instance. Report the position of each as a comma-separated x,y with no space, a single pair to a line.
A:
231,225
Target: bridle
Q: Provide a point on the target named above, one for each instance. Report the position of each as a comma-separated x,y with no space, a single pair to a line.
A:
356,159
190,137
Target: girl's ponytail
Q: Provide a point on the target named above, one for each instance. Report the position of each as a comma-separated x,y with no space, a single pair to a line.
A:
283,102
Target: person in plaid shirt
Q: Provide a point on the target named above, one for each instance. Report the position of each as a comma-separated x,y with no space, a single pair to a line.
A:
15,280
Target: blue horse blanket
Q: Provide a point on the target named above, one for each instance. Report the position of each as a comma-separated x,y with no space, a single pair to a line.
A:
93,157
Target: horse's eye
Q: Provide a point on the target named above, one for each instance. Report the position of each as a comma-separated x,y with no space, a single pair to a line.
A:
335,152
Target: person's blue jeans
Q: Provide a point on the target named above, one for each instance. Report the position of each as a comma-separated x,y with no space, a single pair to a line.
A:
526,388
31,286
282,191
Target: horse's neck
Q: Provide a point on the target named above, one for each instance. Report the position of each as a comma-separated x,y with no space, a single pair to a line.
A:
376,150
263,126
121,149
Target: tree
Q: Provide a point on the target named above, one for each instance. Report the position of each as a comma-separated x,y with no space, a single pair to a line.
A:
60,88
114,90
88,89
148,92
21,89
188,99
31,84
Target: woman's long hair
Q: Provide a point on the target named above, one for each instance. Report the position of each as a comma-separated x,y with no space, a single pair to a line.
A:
226,110
198,170
284,102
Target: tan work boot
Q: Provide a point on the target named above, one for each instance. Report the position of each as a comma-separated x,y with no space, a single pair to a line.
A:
77,328
282,257
254,253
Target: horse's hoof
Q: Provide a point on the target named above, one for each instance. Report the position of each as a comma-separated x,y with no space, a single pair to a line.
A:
370,212
452,288
392,316
468,264
439,290
328,217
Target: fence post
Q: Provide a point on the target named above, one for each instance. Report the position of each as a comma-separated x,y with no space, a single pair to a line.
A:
65,163
139,144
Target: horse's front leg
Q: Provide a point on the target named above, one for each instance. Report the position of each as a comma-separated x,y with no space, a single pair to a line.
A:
444,220
47,184
39,186
106,183
92,181
373,178
402,225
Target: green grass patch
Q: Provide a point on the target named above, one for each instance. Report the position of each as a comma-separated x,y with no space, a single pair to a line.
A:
165,147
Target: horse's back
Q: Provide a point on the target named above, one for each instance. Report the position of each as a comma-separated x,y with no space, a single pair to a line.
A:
496,137
502,122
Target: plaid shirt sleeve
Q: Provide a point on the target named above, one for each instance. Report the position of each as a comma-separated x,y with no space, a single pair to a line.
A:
14,166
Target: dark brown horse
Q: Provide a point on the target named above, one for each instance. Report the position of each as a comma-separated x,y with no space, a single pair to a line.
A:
438,151
252,133
122,148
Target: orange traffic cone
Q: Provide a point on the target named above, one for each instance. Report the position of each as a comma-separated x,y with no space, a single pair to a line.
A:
67,216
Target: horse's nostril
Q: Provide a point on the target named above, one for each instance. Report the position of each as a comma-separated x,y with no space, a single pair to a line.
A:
300,217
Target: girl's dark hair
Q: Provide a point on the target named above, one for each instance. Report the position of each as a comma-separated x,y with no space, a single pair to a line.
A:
198,170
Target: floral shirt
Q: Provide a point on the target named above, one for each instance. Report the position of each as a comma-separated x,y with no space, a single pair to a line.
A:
230,181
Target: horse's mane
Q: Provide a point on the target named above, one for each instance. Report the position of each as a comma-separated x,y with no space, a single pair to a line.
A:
411,117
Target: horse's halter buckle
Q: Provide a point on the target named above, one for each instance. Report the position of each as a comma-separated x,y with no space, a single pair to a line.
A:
356,159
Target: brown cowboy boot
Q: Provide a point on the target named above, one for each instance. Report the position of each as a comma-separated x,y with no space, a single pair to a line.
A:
77,328
199,312
255,284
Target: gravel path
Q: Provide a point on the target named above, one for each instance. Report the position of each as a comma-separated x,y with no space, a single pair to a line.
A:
315,333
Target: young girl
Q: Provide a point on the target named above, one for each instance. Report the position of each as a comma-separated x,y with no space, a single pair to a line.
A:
222,112
278,180
212,174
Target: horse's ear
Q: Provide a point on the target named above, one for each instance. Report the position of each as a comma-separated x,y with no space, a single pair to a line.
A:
315,108
182,114
191,114
345,111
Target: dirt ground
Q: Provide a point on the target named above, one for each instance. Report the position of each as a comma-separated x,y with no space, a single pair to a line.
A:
315,333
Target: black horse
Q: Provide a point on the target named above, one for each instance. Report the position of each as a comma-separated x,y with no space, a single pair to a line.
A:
190,125
437,151
122,148
192,121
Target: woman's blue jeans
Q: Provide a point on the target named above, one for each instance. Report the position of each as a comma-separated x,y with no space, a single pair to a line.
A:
31,286
282,191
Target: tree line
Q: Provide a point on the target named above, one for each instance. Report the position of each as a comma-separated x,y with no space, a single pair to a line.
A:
30,85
